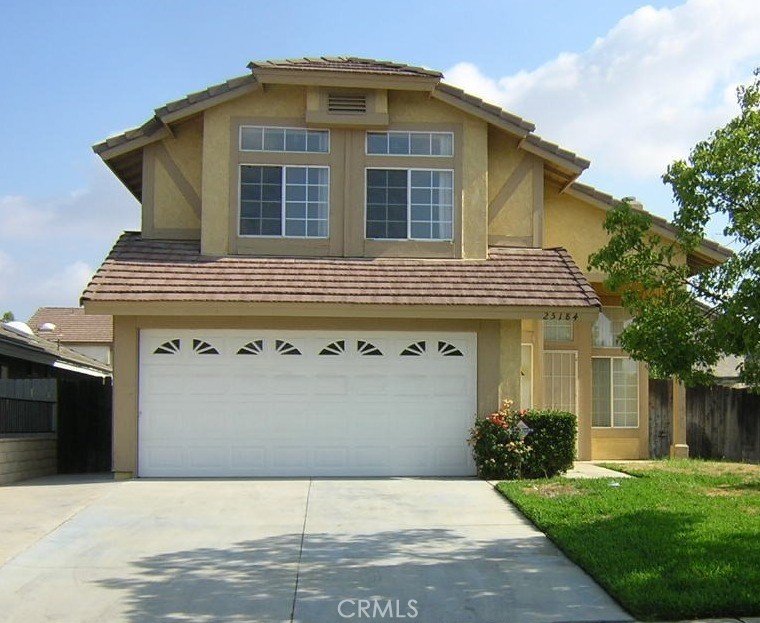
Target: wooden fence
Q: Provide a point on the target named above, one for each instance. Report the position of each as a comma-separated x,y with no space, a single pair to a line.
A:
721,422
74,407
27,406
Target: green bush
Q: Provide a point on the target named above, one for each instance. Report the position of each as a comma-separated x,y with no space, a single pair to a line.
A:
552,443
498,446
502,450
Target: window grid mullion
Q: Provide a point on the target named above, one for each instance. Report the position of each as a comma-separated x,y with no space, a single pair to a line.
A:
283,200
409,204
612,392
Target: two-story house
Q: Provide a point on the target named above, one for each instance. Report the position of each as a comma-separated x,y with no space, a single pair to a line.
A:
341,262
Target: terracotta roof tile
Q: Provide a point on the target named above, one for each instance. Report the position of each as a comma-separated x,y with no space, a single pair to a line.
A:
349,64
72,326
157,270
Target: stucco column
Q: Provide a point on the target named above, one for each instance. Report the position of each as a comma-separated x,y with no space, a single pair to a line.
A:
125,370
583,339
679,449
509,360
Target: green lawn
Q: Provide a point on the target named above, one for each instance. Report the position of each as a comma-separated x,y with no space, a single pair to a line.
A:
682,540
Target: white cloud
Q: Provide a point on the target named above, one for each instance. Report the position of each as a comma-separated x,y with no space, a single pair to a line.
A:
98,210
7,274
49,247
643,94
63,286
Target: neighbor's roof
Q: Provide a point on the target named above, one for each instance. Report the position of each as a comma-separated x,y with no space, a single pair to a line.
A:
33,348
140,270
72,325
123,152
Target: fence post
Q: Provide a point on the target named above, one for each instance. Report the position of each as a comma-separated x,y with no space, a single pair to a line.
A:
679,449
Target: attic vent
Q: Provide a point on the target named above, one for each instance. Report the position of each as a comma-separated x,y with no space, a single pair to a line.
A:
347,104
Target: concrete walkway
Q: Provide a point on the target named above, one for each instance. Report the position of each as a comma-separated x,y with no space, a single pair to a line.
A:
432,550
587,469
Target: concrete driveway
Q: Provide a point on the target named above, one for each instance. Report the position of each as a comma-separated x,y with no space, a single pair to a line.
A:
223,551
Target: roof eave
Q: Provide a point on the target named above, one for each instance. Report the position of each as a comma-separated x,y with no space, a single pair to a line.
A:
330,310
473,105
158,127
357,79
712,251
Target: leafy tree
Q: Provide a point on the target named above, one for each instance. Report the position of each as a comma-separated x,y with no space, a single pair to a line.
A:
8,316
685,318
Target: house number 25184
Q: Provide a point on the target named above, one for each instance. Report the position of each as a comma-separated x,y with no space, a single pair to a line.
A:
552,315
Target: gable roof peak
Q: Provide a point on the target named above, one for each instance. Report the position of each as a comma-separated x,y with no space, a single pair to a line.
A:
345,64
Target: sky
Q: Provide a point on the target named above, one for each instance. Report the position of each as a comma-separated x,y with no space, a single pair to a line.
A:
629,85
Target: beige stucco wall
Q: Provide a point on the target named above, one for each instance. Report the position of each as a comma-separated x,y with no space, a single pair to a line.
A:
172,183
515,193
498,365
574,225
22,458
190,179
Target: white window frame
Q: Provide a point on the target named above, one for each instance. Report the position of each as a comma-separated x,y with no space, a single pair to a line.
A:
283,200
612,424
284,128
409,171
409,134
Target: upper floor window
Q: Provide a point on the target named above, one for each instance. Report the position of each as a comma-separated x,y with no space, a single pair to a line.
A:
410,143
297,140
410,204
608,327
284,201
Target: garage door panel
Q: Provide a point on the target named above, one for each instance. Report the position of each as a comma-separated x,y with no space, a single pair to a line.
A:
273,403
291,457
208,456
165,457
330,384
370,385
247,385
372,457
329,458
244,459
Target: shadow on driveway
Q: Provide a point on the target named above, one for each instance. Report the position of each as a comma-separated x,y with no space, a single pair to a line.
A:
437,574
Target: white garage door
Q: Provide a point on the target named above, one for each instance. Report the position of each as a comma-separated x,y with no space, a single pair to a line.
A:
302,403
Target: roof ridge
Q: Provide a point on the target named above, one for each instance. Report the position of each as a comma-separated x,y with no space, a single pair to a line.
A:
329,62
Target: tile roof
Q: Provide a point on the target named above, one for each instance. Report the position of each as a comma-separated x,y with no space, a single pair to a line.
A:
348,64
46,351
140,270
492,109
611,201
156,127
72,325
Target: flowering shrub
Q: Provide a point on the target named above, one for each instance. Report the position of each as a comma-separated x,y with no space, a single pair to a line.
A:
497,444
503,451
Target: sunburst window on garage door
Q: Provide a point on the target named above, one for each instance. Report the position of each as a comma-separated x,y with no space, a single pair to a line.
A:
367,349
204,348
414,350
335,348
449,350
256,347
285,348
168,348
